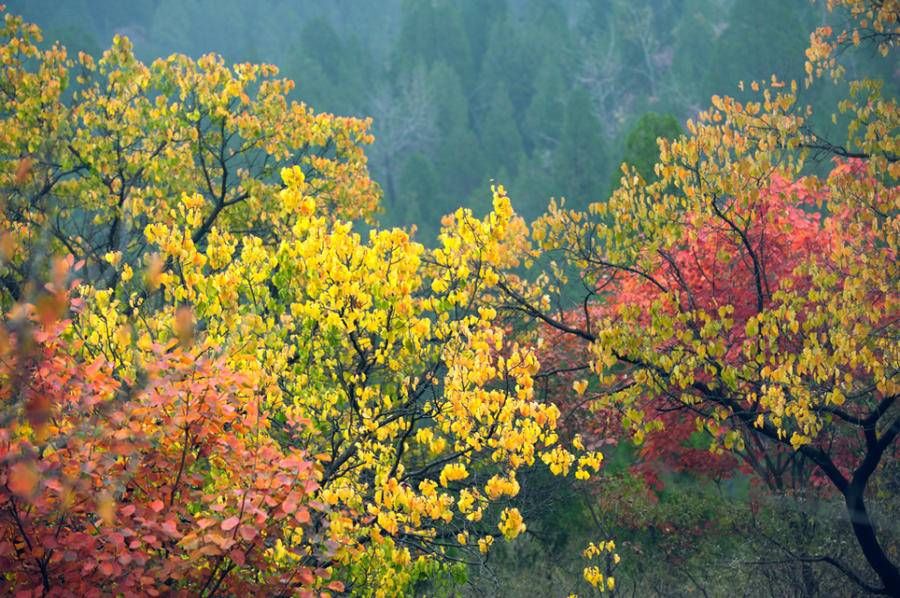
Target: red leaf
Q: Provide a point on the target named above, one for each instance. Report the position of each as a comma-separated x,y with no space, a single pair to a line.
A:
305,575
238,557
230,523
290,504
157,505
247,532
107,569
170,527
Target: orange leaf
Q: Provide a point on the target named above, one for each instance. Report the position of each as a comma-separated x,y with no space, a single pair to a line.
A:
205,522
106,508
23,479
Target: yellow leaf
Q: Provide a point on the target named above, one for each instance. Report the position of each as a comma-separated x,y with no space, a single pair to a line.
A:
580,386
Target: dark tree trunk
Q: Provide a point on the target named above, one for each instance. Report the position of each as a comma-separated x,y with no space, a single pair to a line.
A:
868,542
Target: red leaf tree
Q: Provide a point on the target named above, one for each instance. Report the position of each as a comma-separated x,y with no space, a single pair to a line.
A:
162,485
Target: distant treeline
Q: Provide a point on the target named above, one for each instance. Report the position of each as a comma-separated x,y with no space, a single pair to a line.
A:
546,97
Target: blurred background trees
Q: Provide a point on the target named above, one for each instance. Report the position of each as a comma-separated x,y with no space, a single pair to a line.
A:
540,96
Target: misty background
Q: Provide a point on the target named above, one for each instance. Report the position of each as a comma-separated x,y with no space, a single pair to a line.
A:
547,97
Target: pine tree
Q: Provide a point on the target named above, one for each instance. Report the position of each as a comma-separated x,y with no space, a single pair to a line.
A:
581,160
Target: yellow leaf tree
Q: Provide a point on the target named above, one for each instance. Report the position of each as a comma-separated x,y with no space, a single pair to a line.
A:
211,217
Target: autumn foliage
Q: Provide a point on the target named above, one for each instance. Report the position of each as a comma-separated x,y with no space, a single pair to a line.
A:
213,383
742,295
225,388
170,484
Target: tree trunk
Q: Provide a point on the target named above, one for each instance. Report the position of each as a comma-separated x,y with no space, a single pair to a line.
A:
868,542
